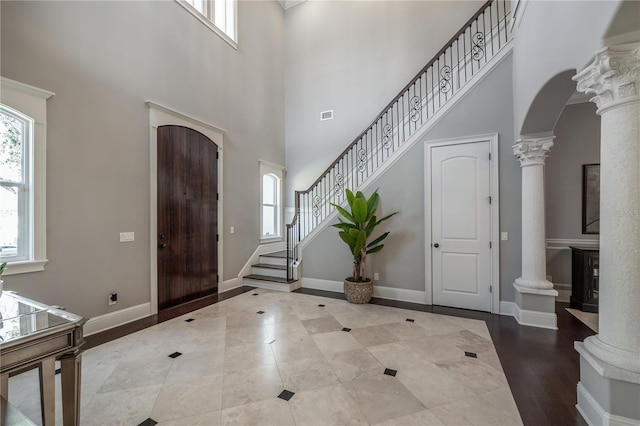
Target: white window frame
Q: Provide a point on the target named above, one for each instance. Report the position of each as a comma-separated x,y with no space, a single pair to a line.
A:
32,102
267,168
208,19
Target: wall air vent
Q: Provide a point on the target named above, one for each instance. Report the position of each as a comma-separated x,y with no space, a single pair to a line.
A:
326,115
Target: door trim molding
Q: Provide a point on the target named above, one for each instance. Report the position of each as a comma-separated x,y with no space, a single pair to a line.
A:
495,213
160,115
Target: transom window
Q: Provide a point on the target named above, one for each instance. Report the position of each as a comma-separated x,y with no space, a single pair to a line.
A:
219,15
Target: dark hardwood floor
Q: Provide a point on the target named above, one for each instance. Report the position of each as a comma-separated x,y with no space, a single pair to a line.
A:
541,366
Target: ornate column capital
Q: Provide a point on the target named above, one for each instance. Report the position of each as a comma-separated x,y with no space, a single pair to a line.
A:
532,151
613,76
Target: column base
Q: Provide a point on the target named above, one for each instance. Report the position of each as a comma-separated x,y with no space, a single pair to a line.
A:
607,395
534,284
536,307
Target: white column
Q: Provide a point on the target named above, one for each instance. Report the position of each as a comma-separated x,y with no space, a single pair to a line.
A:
531,152
614,79
609,387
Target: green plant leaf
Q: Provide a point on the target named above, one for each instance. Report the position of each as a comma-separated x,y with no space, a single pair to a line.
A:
360,195
347,239
350,196
343,225
360,242
385,218
359,210
378,240
372,204
343,212
375,249
371,226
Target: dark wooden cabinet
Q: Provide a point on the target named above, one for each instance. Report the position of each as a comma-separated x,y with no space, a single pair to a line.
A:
585,278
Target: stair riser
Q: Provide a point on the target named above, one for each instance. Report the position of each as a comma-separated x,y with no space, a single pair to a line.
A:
280,273
272,286
280,261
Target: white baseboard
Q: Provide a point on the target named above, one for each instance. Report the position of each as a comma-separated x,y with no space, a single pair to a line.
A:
508,308
389,293
564,292
114,319
535,318
271,285
230,284
595,415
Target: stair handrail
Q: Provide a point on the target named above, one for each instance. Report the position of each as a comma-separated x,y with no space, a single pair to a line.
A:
295,232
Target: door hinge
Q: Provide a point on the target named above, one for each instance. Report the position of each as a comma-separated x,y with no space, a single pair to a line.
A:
490,289
217,279
217,196
489,156
217,237
489,244
218,155
489,199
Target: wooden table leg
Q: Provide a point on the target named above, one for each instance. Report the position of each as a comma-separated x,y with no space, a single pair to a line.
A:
47,371
4,386
71,369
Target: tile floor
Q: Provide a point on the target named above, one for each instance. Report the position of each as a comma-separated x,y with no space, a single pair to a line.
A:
285,358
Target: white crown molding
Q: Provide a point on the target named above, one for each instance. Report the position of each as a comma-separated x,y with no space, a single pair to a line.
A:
288,4
532,151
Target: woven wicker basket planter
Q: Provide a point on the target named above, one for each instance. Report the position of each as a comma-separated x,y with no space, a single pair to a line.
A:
358,292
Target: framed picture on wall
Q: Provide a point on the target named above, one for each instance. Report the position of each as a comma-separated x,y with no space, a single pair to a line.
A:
591,199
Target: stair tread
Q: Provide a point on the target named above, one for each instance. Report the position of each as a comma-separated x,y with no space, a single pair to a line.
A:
268,278
282,253
269,266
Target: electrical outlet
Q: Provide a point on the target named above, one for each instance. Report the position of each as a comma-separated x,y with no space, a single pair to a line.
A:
113,299
504,236
126,237
232,230
376,276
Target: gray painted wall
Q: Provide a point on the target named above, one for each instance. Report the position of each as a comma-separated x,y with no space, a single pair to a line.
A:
103,60
486,109
577,142
353,57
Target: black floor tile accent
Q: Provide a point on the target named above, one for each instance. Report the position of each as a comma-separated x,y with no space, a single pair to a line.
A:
470,354
148,422
390,372
189,320
175,355
410,320
260,312
286,395
254,294
321,305
58,370
346,329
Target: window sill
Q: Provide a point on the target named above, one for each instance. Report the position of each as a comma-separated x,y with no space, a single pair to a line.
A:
25,266
208,23
265,240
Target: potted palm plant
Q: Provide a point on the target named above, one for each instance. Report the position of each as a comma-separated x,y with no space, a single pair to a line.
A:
360,223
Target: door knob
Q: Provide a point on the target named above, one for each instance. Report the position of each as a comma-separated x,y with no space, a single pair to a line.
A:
162,246
436,245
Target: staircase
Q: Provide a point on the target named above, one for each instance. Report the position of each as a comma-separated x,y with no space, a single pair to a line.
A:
441,83
271,273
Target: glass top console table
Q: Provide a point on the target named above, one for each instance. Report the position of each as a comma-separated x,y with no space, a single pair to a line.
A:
33,334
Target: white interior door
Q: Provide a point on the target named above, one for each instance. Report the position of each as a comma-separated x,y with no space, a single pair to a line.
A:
461,225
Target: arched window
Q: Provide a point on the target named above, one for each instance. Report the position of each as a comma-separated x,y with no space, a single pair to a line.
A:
270,201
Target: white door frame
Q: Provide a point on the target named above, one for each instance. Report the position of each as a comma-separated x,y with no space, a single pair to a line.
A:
160,115
495,214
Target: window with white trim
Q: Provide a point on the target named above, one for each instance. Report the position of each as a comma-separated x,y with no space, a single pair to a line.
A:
271,180
219,15
22,177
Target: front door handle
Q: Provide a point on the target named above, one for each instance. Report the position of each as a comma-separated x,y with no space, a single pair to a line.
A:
436,245
162,246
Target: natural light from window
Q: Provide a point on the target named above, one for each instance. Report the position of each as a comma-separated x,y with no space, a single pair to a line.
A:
15,142
219,15
271,214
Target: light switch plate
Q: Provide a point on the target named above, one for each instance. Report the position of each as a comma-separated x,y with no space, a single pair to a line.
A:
126,237
504,236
